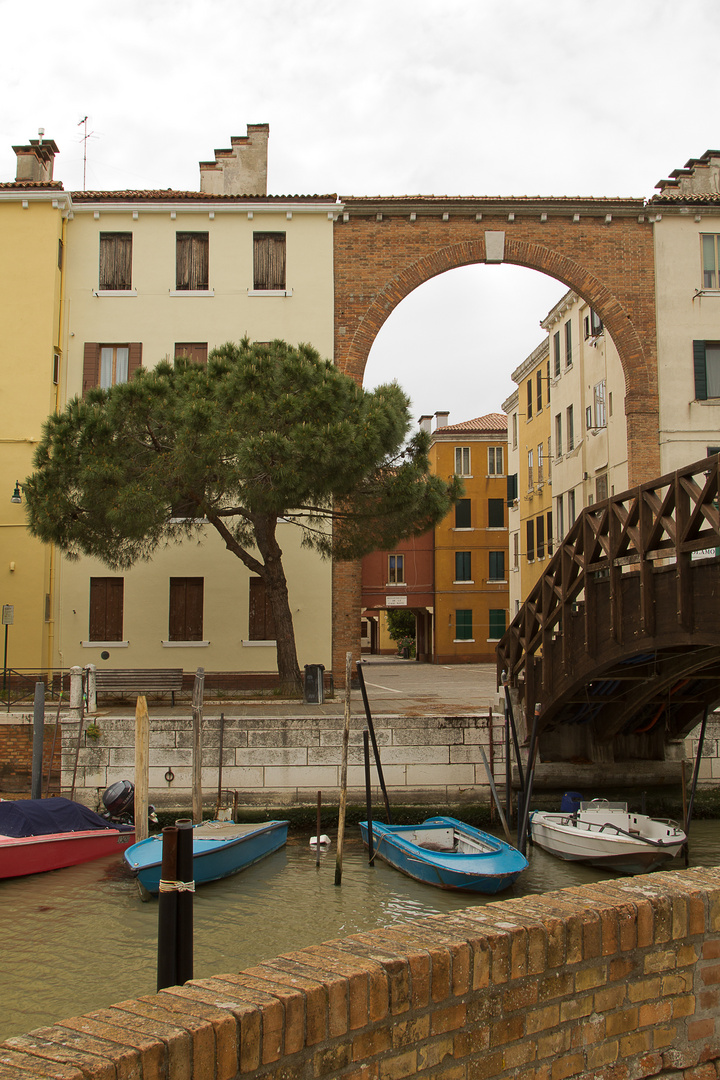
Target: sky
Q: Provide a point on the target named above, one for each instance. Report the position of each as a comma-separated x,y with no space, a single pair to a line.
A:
388,97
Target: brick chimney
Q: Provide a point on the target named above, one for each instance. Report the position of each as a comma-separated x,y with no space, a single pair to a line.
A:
241,170
35,161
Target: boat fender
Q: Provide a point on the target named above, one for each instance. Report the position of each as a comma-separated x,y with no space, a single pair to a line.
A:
324,840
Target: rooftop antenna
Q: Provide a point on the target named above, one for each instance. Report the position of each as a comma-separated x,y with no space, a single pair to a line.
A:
86,136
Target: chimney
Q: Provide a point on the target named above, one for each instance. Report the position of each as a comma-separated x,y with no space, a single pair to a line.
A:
241,170
35,161
425,423
441,419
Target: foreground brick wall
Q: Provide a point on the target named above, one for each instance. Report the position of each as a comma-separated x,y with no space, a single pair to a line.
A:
618,980
16,744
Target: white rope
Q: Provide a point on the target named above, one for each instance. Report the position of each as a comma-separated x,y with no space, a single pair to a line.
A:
177,886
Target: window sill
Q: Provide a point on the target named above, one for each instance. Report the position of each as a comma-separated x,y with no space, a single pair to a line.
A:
464,475
253,644
463,528
463,581
184,644
497,581
464,640
269,292
115,292
706,401
396,584
496,476
494,639
104,644
191,292
497,528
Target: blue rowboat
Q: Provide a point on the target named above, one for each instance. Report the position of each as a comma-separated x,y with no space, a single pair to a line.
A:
220,848
448,853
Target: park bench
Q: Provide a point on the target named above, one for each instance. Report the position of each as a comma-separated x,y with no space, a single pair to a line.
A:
139,681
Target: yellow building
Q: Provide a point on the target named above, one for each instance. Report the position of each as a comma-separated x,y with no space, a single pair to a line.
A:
471,587
33,209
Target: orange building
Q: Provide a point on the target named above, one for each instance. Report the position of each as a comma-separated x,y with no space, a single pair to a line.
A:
471,544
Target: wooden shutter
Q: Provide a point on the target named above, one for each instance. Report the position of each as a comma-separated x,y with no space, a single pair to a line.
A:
115,261
192,260
261,622
106,609
269,260
91,366
134,357
197,351
186,609
700,371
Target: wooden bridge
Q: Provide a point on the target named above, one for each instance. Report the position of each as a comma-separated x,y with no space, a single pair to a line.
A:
620,637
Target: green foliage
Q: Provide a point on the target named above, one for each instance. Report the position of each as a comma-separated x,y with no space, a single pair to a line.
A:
401,624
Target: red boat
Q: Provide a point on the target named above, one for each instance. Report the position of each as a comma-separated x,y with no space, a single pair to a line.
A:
46,834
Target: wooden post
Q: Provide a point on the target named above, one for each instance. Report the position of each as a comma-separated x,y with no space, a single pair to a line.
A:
142,763
317,829
197,711
368,795
38,736
167,913
343,773
184,946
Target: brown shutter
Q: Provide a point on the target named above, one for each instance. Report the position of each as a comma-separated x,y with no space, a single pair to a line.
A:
115,261
134,357
182,261
186,609
106,609
192,254
197,351
269,260
262,622
91,366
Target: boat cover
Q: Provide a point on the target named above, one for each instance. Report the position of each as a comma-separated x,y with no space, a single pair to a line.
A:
40,817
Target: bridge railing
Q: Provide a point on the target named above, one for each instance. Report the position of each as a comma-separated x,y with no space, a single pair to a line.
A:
666,520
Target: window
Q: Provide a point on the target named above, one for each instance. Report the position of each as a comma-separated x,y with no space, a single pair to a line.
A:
60,254
530,479
495,460
514,429
496,513
549,532
568,343
599,404
462,566
530,540
540,536
105,365
462,461
540,464
116,261
601,487
185,621
710,260
196,351
269,261
538,390
192,260
706,357
549,459
512,489
462,514
463,625
571,507
516,551
497,623
560,516
106,608
548,383
261,622
396,569
497,566
529,399
556,352
570,428
596,325
56,368
558,435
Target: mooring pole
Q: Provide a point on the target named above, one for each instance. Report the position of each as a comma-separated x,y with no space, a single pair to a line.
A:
368,795
696,773
371,729
317,829
495,798
508,703
197,711
220,763
52,752
167,912
142,768
37,746
531,776
186,888
508,767
343,773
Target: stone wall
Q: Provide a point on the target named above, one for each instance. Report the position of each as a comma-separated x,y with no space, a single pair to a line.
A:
614,981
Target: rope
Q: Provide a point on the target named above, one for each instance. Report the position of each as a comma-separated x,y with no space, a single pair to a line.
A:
177,886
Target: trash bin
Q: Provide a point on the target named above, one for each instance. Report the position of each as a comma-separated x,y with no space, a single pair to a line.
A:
314,684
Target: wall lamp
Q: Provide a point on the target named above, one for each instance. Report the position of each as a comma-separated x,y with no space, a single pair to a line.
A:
16,496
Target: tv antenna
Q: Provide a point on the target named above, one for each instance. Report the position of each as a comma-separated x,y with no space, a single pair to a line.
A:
86,135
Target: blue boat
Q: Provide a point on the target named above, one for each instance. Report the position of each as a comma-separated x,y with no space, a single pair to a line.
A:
220,848
447,853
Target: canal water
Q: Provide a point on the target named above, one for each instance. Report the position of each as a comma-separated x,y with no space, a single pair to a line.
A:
81,939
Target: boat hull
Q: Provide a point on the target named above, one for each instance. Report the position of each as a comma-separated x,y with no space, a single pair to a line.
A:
24,855
609,839
220,849
459,857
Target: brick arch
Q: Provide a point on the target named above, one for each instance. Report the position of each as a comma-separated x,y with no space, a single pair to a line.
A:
384,248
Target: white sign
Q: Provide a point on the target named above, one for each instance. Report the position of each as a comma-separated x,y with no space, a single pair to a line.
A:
706,553
396,601
8,613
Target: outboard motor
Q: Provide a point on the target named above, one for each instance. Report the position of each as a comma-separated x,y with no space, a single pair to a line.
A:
119,802
570,802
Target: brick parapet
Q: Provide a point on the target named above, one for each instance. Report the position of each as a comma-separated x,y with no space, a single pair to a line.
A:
614,981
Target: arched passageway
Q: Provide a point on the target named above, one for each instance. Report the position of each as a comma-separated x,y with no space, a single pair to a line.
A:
384,248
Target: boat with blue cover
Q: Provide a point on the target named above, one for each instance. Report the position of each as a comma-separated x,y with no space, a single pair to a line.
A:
445,852
220,848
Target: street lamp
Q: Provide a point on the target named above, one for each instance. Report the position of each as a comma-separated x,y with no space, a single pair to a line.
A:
16,496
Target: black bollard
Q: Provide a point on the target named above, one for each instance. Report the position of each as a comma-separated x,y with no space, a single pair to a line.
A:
317,829
184,947
167,912
368,795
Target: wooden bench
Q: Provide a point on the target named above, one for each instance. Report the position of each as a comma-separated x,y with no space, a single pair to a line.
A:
139,681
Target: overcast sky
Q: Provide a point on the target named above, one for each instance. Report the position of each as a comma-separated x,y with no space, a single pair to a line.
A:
391,97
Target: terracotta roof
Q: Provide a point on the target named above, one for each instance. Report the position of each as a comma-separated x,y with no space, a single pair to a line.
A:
32,185
481,424
698,198
189,196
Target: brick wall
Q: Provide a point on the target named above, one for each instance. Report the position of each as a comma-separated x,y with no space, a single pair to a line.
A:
16,740
614,981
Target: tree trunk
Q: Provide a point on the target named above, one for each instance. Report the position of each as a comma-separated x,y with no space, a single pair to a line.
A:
277,593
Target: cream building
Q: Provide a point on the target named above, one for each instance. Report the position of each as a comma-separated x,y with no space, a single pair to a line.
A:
152,275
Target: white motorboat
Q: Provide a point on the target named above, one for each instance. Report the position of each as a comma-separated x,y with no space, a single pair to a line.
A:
608,835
